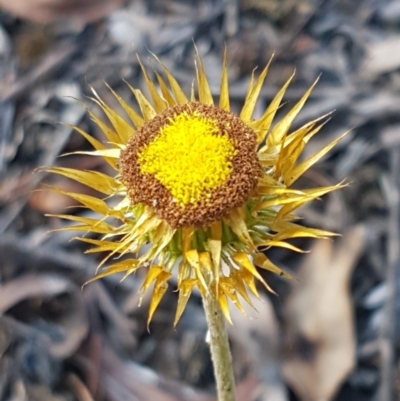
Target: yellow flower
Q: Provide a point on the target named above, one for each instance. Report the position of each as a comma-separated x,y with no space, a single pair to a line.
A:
203,192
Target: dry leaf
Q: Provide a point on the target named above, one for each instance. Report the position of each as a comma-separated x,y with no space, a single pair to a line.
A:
71,327
319,315
258,334
382,57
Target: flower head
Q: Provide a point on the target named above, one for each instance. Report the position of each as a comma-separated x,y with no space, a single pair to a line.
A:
192,164
204,192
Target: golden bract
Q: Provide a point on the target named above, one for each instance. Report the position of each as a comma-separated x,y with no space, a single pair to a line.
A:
209,191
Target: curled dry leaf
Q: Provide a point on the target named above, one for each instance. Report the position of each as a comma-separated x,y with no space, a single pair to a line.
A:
320,332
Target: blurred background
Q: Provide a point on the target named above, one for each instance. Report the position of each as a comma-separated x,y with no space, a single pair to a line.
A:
332,334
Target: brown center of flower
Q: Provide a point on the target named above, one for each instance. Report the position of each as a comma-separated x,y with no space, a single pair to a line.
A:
192,164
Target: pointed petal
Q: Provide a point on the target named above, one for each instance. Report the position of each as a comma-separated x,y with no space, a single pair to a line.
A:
123,130
165,91
152,274
235,276
248,278
164,236
101,245
270,191
94,142
306,164
176,89
187,234
90,202
93,179
283,126
237,223
251,100
269,181
280,200
160,287
144,229
297,231
280,244
215,248
309,195
110,134
304,130
193,258
119,267
205,95
288,157
291,148
250,87
106,153
242,260
263,125
228,287
223,303
134,117
160,104
184,271
192,95
88,224
224,89
145,107
263,262
205,261
185,289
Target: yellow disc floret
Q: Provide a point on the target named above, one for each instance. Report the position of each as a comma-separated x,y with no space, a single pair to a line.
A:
189,157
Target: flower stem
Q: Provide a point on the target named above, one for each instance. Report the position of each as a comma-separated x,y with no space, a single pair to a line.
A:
220,352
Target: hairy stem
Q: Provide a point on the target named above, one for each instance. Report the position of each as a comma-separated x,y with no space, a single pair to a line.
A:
220,352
